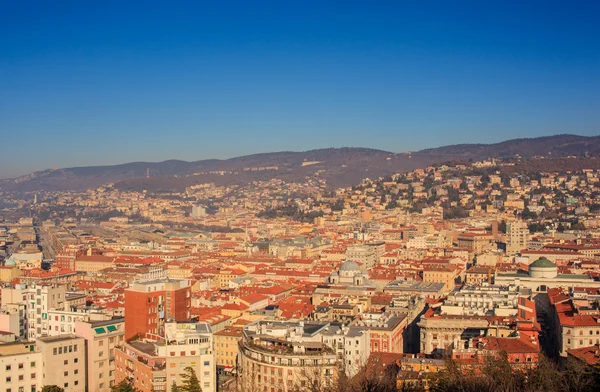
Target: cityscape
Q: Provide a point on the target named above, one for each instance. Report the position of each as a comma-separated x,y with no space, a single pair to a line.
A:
286,198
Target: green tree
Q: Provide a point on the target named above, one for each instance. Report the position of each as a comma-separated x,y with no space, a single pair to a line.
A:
123,386
174,387
52,388
190,381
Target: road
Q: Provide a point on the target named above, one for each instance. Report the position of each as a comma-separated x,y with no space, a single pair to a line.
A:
44,242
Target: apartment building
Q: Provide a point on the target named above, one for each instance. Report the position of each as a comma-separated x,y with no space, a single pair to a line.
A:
63,362
101,338
149,304
284,356
21,367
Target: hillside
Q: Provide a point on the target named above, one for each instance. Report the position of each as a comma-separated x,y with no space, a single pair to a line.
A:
338,166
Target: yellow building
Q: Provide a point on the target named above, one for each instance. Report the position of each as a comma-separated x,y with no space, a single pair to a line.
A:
93,263
442,273
7,273
416,372
226,346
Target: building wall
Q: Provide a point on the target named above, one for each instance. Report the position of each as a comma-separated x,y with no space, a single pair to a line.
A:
100,351
260,372
64,362
22,369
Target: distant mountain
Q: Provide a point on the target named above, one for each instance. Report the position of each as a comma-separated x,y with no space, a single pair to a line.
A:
339,166
548,146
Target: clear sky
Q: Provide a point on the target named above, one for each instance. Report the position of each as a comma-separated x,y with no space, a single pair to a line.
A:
105,82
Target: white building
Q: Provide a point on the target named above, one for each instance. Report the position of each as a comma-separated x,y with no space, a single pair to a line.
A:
543,274
189,344
517,233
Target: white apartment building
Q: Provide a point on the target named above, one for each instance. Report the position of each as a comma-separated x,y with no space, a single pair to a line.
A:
21,367
517,234
189,344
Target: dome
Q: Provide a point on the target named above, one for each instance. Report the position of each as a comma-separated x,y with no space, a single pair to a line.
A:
542,262
543,268
349,266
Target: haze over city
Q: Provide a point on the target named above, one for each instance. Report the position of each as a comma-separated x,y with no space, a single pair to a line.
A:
112,82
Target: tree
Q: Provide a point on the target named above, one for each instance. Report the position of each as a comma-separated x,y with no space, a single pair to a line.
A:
190,381
123,386
174,387
52,388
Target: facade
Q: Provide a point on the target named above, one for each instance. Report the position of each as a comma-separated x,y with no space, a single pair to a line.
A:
63,362
385,331
542,275
37,301
149,304
226,347
189,344
284,356
517,233
475,241
485,300
92,264
475,311
363,254
101,339
137,363
21,367
442,273
154,366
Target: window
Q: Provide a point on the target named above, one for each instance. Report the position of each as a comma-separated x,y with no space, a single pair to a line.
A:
33,376
76,382
76,360
21,377
8,367
206,363
66,362
32,364
66,385
76,371
60,350
66,374
21,366
100,375
8,379
75,347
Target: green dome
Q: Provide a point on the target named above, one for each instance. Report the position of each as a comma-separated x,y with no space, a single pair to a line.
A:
542,262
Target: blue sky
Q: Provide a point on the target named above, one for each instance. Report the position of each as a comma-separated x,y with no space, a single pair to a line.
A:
104,82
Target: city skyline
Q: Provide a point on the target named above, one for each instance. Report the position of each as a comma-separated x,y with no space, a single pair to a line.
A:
85,85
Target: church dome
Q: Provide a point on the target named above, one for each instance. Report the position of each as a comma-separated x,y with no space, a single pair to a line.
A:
349,266
543,268
542,262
